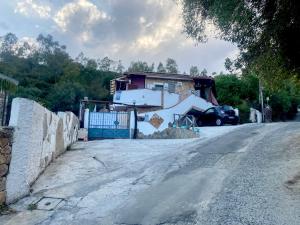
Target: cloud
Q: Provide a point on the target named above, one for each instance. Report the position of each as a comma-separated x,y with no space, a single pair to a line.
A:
164,30
30,7
130,30
80,17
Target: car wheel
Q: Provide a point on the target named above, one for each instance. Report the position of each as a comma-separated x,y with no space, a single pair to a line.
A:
219,122
199,123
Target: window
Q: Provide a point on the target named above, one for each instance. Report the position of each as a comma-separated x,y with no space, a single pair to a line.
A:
158,86
210,111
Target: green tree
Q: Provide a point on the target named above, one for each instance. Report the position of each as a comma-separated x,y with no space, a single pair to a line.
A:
105,64
50,76
194,71
140,66
228,65
119,69
254,26
171,66
161,68
203,72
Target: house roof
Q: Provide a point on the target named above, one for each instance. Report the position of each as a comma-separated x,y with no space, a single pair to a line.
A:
168,76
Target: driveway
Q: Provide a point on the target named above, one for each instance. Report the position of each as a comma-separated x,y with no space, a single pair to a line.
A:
231,175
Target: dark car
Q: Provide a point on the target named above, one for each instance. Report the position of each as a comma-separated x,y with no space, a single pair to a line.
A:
217,116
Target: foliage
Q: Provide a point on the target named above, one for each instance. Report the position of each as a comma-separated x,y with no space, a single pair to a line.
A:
203,72
194,71
161,68
171,66
256,26
266,32
140,66
242,92
51,77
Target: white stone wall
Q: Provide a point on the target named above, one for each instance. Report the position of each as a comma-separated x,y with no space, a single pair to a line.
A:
39,137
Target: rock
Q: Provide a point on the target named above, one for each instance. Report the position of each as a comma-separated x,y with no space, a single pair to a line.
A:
2,197
5,150
4,142
2,183
3,169
5,158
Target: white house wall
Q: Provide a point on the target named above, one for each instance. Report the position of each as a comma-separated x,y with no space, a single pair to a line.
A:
168,114
146,97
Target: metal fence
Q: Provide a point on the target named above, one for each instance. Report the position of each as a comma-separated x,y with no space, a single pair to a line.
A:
109,125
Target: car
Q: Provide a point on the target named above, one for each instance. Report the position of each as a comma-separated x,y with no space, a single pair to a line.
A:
217,116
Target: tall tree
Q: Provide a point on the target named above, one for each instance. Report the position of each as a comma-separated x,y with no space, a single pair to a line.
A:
194,71
140,66
119,69
203,72
171,66
161,68
257,27
105,64
228,65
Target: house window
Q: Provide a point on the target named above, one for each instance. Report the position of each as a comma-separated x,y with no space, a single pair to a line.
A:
158,86
171,87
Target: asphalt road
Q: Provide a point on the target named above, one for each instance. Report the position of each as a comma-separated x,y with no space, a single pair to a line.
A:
241,178
248,176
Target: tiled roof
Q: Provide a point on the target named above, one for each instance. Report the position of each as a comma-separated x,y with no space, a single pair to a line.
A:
165,76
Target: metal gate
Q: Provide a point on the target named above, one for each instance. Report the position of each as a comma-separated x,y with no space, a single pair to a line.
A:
109,125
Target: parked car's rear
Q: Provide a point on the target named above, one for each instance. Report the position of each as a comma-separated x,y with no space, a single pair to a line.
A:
218,116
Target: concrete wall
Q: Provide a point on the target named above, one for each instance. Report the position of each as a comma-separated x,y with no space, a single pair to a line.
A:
39,137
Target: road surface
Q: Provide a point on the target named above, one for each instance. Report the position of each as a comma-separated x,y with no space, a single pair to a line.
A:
248,176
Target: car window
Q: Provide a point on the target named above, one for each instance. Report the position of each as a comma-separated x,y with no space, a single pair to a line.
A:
210,110
227,107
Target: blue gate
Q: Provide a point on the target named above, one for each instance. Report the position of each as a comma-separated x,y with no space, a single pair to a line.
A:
109,125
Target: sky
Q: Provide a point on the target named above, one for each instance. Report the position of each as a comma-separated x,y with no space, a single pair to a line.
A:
127,30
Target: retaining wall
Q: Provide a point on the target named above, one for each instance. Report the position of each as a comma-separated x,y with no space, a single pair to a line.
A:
39,137
6,136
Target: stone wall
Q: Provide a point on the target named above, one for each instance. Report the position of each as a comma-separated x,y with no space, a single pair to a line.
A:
39,137
5,156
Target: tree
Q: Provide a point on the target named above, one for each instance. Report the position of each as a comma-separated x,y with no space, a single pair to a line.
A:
81,59
228,65
161,68
120,67
105,64
194,71
8,43
254,26
203,72
50,76
171,66
140,66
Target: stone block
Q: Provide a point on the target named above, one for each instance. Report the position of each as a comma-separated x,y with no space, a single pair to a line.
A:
3,169
5,158
2,183
2,197
4,142
5,150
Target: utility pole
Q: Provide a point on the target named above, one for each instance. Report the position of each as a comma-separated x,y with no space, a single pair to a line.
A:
261,98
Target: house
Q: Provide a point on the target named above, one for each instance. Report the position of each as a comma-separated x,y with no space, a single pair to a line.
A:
151,91
158,99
